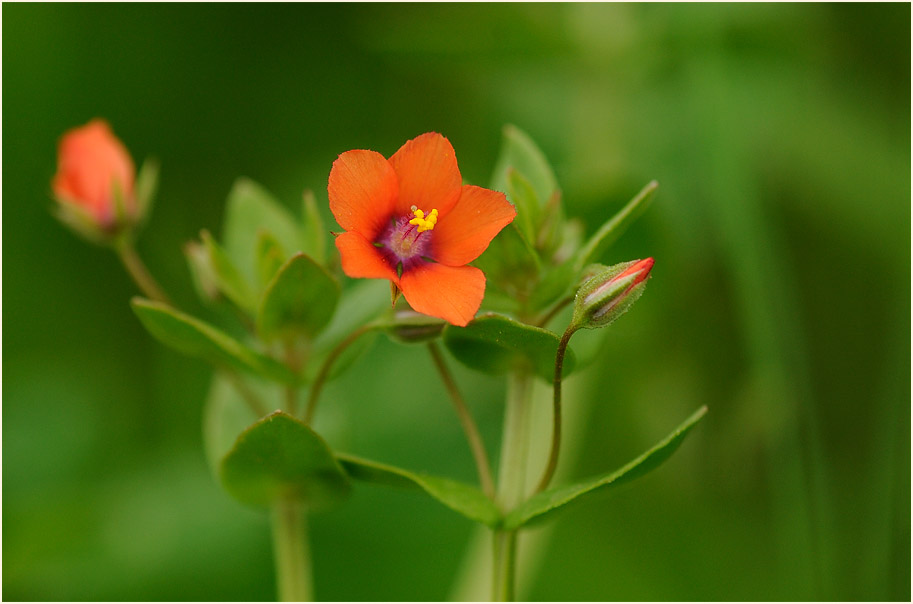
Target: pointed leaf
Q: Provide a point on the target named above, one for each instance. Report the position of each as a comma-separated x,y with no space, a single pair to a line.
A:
521,194
202,273
518,151
460,497
312,230
228,278
280,457
249,210
496,344
541,506
300,300
199,339
609,232
270,258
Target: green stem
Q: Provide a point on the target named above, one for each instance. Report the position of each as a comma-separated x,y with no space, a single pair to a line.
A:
138,272
556,407
469,425
291,551
324,372
511,479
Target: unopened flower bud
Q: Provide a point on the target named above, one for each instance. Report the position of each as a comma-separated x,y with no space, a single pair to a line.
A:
609,293
410,327
94,184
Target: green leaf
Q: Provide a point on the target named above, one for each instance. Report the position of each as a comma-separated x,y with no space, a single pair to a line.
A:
511,265
609,232
250,209
359,304
521,194
270,258
313,231
300,300
198,339
497,344
556,285
227,276
518,151
459,497
279,457
541,506
226,415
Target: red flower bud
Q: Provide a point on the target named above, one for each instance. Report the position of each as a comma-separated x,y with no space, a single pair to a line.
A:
610,292
95,176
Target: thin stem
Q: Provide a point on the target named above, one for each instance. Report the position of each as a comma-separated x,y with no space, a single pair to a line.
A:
556,406
139,273
250,397
469,425
324,372
291,551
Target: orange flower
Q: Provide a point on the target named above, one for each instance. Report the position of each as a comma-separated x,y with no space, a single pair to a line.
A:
410,219
93,168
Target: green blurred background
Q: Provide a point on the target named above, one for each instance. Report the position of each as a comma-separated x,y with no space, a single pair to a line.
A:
780,135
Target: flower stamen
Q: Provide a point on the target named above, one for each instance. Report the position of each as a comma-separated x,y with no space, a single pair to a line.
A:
423,224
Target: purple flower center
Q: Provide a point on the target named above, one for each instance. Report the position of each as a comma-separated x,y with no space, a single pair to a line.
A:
401,243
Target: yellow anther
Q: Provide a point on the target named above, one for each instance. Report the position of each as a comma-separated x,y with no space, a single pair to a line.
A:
423,224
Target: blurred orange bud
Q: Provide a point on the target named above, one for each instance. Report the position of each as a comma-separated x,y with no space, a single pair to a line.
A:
95,179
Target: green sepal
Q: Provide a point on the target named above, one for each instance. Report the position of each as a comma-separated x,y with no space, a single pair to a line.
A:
460,497
518,151
228,278
249,210
145,189
82,223
280,457
497,344
609,232
299,301
196,338
270,258
543,505
312,229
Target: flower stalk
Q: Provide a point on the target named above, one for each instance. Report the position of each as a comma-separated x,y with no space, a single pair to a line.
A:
469,425
291,551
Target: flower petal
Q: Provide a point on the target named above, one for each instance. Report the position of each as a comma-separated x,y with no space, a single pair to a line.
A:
428,174
91,162
465,232
362,190
360,259
452,293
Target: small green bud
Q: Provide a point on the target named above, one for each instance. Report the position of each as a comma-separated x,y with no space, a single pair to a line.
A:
609,293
